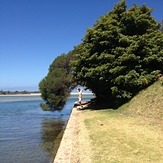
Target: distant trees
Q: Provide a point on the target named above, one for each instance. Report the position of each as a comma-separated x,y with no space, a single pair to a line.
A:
16,92
118,57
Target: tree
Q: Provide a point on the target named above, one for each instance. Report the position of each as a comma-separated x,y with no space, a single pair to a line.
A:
121,54
56,86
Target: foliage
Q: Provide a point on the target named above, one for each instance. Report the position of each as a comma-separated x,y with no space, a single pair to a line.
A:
117,58
121,54
56,86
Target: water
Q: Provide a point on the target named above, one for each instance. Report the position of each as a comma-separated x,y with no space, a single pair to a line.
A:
28,134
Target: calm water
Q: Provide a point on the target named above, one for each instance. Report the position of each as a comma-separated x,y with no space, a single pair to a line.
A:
27,134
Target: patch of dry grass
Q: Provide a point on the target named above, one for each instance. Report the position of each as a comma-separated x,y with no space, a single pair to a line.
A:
148,104
130,134
118,138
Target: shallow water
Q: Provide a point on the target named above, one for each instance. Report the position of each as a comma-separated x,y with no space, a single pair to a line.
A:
27,134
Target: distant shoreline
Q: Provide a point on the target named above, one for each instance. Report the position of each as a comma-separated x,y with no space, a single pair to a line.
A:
39,94
26,94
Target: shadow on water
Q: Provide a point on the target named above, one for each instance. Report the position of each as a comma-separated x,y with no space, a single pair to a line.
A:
52,129
51,134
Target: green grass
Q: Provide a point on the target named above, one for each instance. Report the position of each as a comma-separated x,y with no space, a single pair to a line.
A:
148,104
131,134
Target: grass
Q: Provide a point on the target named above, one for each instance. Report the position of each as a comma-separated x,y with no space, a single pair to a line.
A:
131,134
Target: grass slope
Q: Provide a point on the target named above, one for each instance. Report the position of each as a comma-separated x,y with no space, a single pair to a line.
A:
131,134
148,104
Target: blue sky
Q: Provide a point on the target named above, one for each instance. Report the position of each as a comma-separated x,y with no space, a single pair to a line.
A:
34,32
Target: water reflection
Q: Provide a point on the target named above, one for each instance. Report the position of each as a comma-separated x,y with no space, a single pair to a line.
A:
29,134
51,134
52,127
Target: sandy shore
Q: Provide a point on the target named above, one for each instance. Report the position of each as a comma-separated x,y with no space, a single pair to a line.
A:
28,94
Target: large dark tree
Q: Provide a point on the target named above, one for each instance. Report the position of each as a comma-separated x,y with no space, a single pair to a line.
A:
117,58
56,86
121,54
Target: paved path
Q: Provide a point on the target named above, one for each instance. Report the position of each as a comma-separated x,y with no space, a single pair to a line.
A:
65,149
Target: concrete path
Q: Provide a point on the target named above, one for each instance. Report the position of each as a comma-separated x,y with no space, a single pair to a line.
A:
65,149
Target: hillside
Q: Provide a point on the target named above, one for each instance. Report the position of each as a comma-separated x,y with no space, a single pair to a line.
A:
132,133
148,103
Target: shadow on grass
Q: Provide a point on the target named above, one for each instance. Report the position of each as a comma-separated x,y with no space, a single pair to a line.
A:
95,104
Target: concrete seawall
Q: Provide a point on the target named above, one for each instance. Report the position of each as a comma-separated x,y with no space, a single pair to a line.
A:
65,153
65,149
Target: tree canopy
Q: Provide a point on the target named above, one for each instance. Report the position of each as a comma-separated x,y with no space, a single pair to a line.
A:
56,86
121,54
118,57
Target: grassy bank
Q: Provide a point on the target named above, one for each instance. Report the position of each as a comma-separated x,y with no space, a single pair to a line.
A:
131,134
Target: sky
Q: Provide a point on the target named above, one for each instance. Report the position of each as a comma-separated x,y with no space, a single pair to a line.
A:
34,32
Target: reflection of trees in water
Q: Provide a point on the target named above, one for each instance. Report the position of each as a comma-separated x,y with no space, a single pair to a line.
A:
51,134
